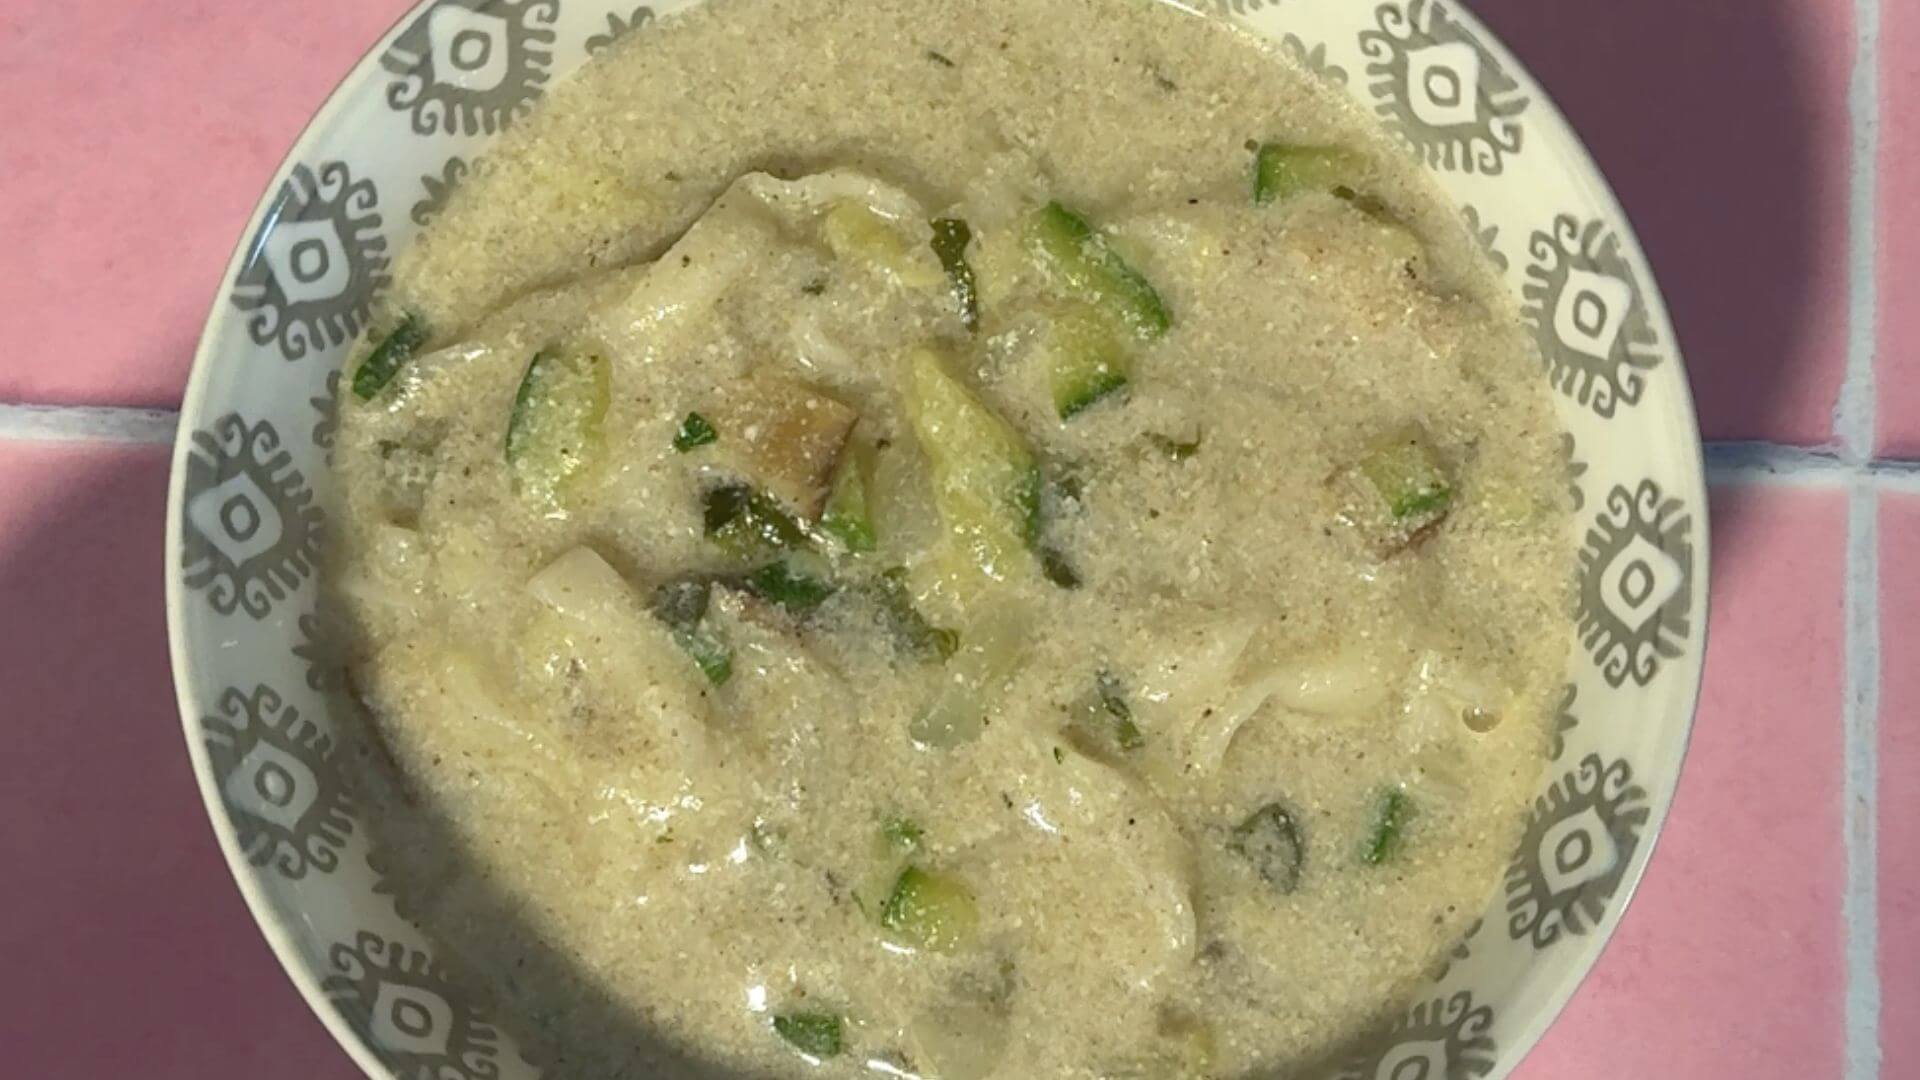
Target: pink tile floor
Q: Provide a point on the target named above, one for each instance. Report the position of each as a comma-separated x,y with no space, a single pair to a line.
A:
1899,809
1778,932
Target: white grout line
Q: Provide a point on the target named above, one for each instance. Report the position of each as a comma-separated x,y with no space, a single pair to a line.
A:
1861,712
1760,464
1854,428
1853,415
87,423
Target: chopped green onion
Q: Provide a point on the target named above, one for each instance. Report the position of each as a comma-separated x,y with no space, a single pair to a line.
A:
797,592
744,521
1113,699
816,1034
950,239
1389,827
909,626
682,605
694,431
848,516
388,357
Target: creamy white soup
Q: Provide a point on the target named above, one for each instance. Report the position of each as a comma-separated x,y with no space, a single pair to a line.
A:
961,540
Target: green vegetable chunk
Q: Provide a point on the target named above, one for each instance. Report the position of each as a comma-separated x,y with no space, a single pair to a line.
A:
388,357
1083,258
950,239
1389,827
1400,489
709,653
1087,362
986,481
929,911
797,592
1113,699
910,627
694,431
747,523
848,516
1270,841
1100,724
902,835
1408,475
682,604
1281,171
554,435
815,1034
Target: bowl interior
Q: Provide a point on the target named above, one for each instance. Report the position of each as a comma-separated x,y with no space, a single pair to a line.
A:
270,734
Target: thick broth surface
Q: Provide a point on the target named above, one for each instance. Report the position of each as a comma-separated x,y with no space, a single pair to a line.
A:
1208,811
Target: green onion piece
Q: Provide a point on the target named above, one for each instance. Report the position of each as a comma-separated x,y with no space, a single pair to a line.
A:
388,357
1389,826
744,521
848,515
910,627
950,239
815,1034
682,604
797,592
694,431
1113,698
710,654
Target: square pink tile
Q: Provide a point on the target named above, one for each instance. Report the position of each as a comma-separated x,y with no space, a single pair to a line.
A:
1899,805
1729,965
126,948
1899,357
137,138
1724,128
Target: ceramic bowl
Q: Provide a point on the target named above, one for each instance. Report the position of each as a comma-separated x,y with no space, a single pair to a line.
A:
251,484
